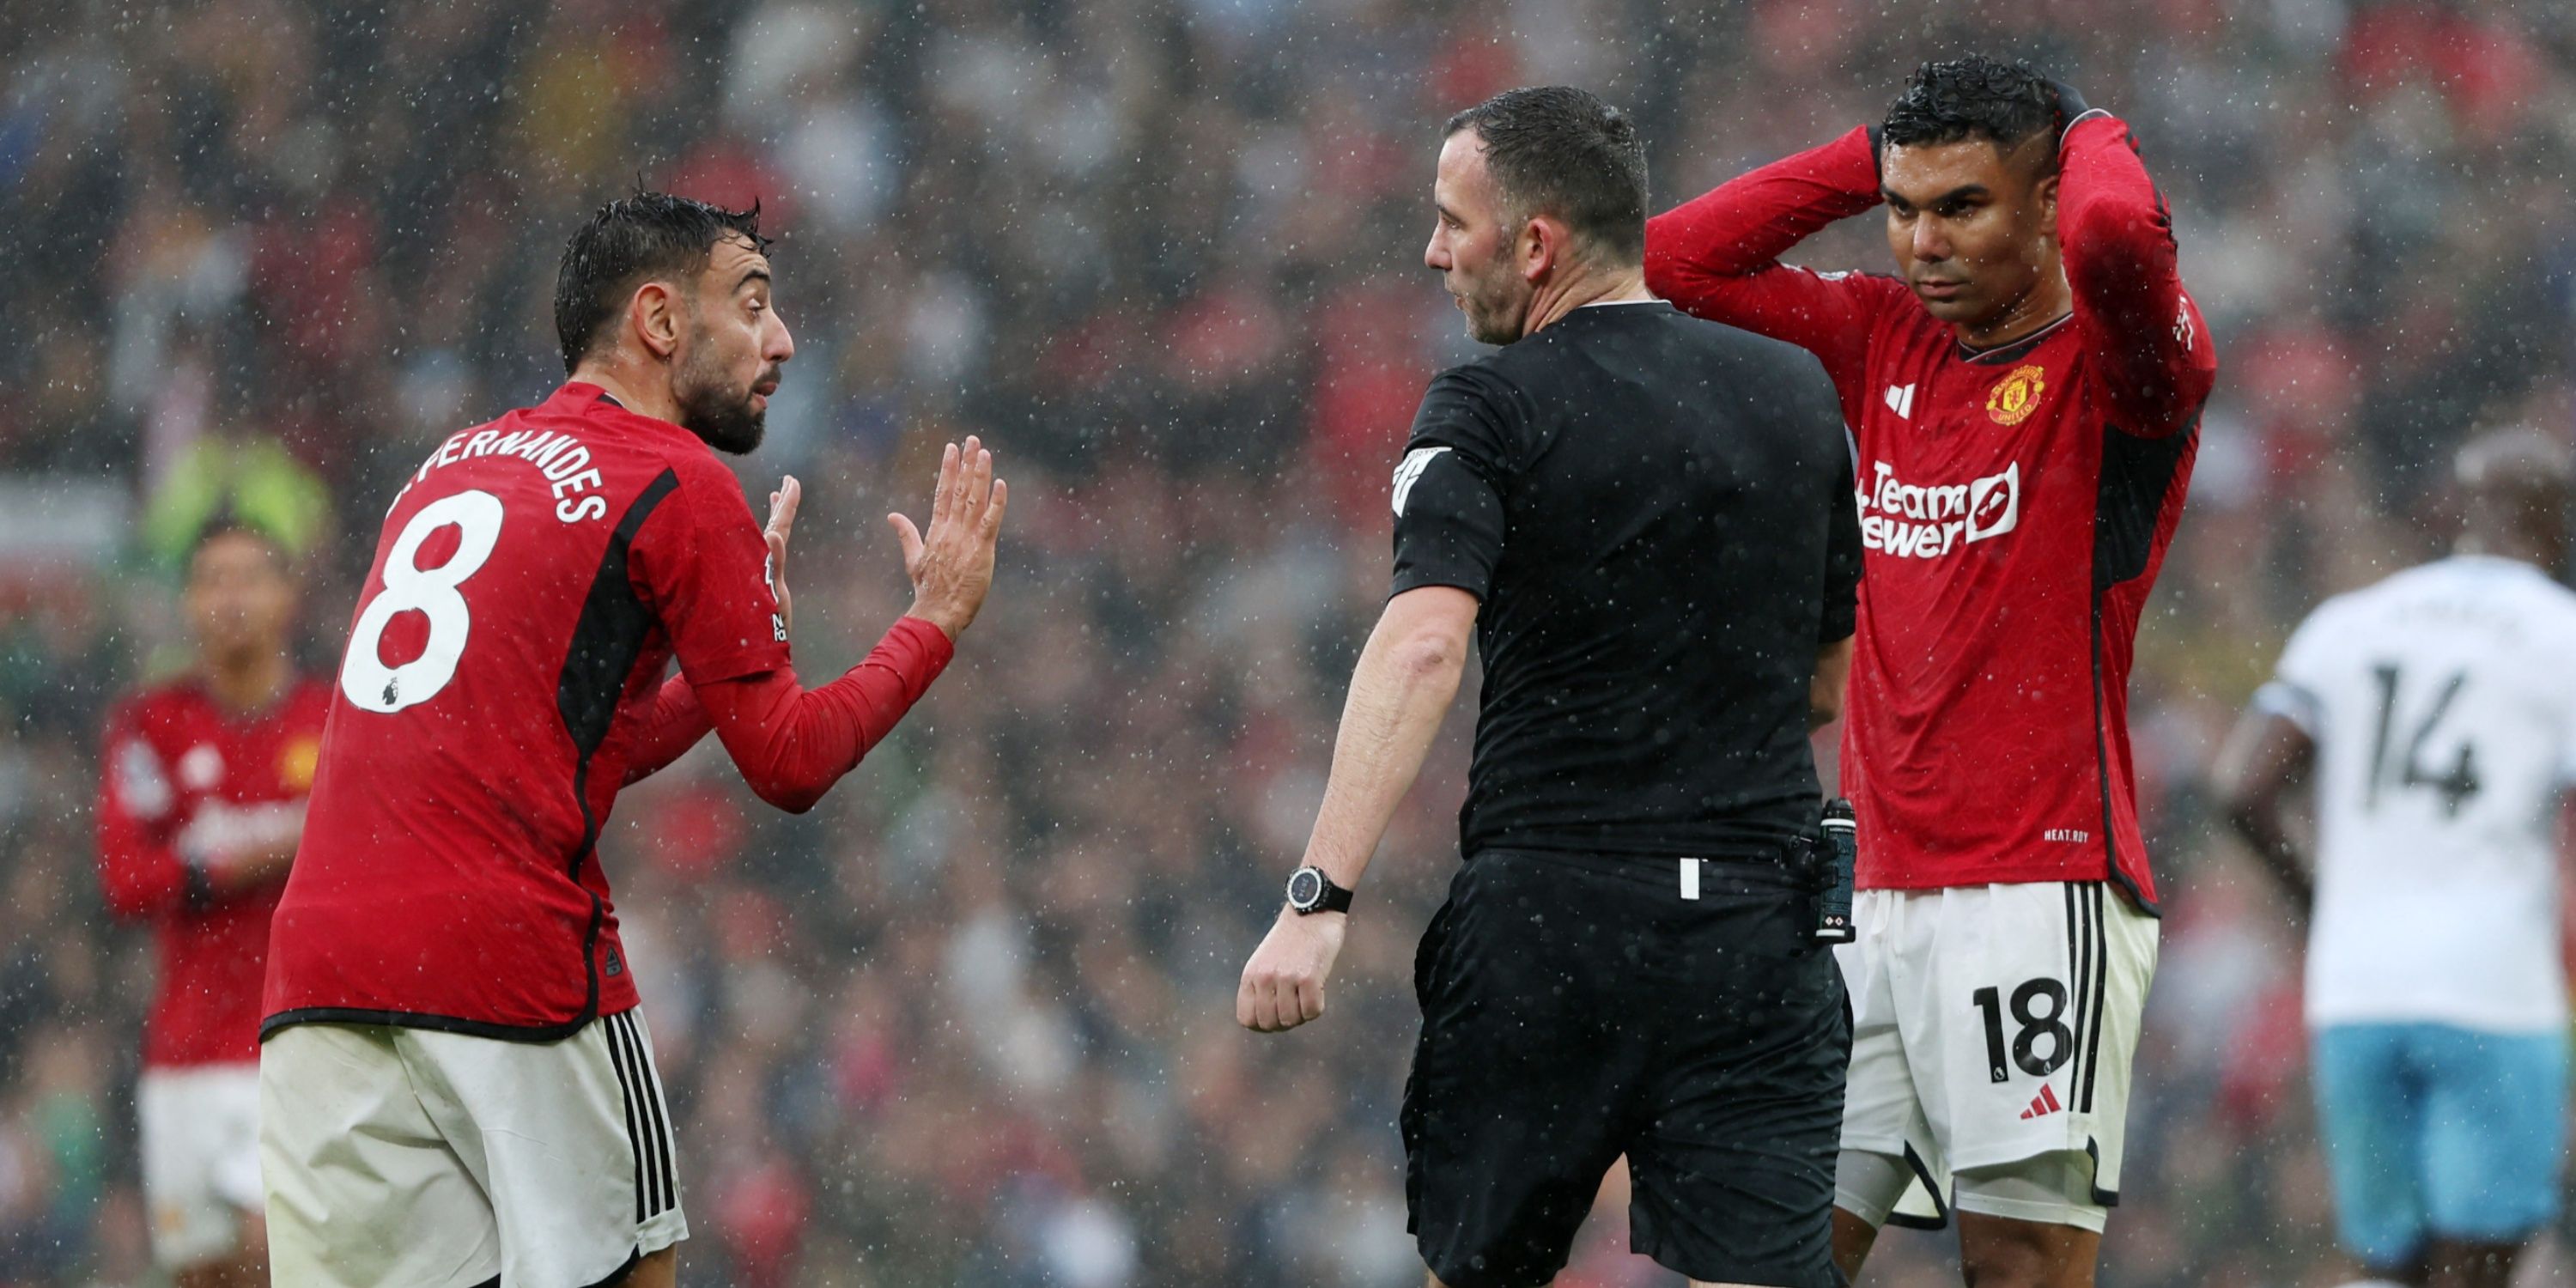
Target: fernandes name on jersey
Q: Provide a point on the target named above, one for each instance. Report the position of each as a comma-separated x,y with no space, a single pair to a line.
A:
533,581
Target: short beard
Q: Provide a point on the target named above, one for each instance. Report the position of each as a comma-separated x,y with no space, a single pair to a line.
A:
1496,329
1490,317
720,416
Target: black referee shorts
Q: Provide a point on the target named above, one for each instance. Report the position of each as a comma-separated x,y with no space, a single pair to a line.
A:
1577,1008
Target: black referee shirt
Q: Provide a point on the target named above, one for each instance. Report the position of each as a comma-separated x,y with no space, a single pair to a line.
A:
1657,516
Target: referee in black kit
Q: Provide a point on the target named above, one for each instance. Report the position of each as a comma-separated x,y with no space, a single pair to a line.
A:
1647,522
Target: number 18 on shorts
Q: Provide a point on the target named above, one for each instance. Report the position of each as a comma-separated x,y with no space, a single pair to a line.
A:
1992,1028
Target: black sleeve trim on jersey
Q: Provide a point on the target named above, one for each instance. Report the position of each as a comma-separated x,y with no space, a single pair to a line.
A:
2102,770
607,640
2136,475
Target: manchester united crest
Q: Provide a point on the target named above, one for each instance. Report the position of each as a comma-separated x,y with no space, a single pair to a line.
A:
2014,398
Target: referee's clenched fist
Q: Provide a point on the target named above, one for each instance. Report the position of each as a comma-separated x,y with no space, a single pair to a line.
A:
1283,984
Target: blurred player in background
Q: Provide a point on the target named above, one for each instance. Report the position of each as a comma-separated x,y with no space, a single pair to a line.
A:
2435,716
198,815
2024,400
457,1083
1642,521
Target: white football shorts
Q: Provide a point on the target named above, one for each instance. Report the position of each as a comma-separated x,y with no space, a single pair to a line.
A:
437,1160
1992,1030
200,1139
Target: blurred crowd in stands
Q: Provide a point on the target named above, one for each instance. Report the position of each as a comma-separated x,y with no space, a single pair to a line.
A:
970,1022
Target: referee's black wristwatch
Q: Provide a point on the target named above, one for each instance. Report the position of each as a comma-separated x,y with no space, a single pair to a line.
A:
1310,891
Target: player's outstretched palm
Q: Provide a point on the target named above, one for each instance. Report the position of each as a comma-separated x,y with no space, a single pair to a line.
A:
951,562
782,521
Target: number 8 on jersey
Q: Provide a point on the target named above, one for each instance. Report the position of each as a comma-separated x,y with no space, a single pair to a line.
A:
365,679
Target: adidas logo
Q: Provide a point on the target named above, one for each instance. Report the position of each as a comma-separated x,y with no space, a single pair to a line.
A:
1900,399
2043,1104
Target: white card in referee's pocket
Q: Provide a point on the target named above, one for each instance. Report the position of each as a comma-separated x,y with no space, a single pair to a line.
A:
1690,878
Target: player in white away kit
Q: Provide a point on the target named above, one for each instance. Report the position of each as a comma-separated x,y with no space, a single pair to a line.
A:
2435,715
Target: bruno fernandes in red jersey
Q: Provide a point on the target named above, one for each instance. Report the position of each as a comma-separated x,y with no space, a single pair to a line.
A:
198,813
457,1082
2024,401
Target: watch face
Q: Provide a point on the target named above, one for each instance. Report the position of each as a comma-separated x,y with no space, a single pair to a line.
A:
1305,888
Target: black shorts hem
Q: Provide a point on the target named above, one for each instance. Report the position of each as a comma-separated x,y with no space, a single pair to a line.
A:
538,1034
1736,1272
1940,1218
618,1276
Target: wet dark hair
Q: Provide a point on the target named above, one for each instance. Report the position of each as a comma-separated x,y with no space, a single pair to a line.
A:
1558,150
1971,98
628,242
225,523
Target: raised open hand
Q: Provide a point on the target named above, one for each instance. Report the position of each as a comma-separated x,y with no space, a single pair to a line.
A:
782,520
951,563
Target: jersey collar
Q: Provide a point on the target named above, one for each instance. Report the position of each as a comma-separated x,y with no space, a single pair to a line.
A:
2010,349
584,391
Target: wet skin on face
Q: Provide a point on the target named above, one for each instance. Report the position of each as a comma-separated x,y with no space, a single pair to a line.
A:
736,345
1973,227
240,599
1474,243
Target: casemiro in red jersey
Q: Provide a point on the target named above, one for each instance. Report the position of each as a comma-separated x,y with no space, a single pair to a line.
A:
450,1012
2024,404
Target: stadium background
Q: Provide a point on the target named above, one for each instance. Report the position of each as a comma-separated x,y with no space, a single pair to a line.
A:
969,1022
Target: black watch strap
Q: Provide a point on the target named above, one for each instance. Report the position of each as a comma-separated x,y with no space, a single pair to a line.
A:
1310,891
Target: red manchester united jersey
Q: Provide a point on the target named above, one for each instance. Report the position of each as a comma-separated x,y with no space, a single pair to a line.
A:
533,581
189,783
2015,506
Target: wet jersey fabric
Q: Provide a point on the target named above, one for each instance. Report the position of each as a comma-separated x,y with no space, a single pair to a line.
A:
2015,506
1655,515
533,581
187,780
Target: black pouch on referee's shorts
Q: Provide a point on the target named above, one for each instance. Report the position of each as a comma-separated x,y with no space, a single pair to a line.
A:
1825,861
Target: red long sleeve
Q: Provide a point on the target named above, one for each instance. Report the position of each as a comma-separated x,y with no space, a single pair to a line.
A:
2116,236
139,873
1718,256
139,868
793,743
674,725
